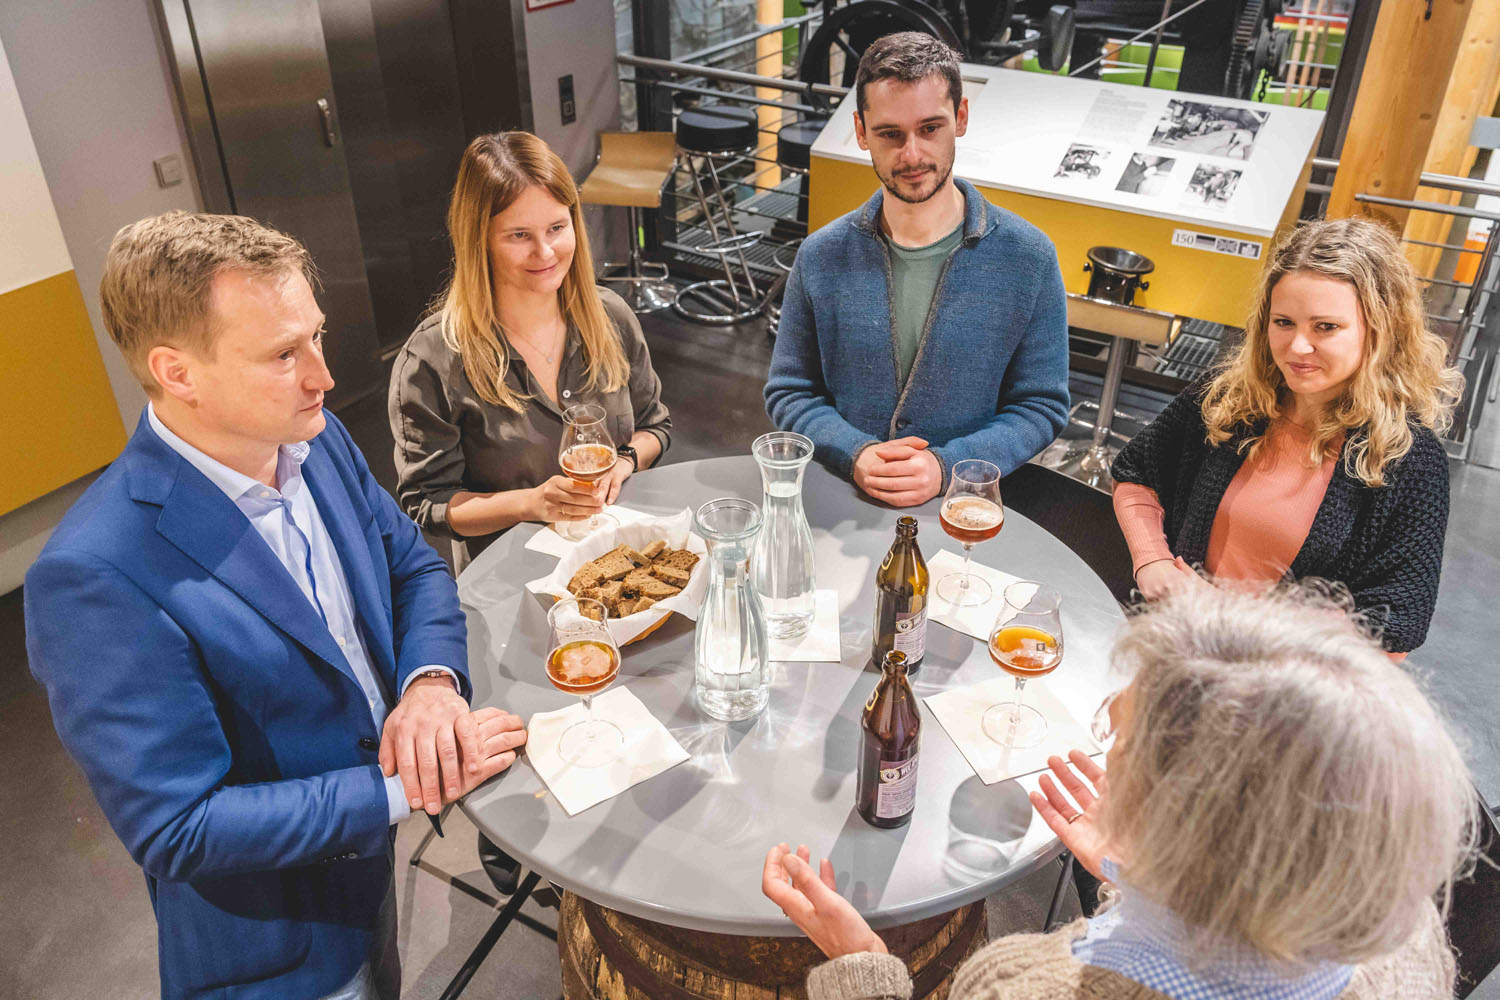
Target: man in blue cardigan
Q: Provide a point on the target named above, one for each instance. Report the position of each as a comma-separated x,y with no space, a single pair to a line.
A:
255,658
928,326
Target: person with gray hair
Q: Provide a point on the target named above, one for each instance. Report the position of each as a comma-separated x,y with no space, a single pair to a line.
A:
1282,806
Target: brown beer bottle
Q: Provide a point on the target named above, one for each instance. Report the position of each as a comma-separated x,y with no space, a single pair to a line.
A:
887,784
901,599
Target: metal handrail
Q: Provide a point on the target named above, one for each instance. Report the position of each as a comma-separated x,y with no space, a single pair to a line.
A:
688,88
714,50
729,76
1445,182
1428,206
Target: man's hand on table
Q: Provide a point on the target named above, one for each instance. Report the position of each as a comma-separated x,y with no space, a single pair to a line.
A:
441,749
902,473
810,900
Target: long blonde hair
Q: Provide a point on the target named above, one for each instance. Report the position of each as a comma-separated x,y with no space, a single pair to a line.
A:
1404,375
494,171
1279,782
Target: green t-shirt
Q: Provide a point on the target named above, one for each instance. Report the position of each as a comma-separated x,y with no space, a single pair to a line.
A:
914,278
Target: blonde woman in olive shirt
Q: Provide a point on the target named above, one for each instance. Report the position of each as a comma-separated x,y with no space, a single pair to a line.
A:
478,392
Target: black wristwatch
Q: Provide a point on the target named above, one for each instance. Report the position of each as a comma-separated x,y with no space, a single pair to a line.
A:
629,452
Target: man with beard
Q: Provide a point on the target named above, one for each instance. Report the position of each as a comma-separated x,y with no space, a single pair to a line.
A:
929,326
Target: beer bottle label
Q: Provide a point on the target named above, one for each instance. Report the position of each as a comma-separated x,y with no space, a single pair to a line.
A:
897,794
911,634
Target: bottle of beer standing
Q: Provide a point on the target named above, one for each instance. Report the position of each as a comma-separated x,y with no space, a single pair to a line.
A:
887,783
901,599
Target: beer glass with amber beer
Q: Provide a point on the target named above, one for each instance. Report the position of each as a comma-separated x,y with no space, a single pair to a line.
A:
971,513
583,660
1026,642
586,455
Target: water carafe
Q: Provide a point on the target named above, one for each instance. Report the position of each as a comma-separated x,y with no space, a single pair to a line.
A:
781,566
730,670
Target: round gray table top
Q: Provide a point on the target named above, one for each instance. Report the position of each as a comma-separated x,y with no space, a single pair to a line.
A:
687,846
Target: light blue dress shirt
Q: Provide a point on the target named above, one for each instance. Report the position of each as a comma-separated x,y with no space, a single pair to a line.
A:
288,519
1147,944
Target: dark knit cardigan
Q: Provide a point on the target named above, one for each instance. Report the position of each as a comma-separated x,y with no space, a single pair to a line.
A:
1384,543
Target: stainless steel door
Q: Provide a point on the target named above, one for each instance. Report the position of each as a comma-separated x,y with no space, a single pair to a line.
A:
271,104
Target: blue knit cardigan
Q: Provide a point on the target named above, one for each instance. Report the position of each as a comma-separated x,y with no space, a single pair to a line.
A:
990,379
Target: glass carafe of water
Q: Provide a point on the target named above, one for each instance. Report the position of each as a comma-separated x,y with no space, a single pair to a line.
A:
781,566
730,669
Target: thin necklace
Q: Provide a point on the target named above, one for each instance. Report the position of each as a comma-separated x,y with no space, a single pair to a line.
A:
529,343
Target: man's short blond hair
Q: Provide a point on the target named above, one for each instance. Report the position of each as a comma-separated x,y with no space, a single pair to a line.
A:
158,279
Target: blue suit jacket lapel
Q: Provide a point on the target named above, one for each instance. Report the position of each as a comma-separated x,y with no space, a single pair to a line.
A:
209,529
353,547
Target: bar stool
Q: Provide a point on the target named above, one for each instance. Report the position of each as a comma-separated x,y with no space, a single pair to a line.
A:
633,168
794,152
707,136
783,259
1107,309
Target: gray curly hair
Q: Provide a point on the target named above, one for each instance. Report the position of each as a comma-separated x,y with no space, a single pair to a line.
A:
1281,783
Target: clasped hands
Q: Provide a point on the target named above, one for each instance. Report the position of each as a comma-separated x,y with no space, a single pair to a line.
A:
902,473
810,898
442,750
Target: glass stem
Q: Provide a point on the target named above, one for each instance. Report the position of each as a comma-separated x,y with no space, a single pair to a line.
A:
1015,715
588,708
963,581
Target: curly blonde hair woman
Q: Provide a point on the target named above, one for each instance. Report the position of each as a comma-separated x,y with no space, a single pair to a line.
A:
1314,450
521,334
1303,867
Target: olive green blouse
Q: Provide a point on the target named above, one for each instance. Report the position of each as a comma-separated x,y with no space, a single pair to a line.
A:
449,440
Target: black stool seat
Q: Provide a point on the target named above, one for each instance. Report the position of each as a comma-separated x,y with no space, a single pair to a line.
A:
795,141
717,128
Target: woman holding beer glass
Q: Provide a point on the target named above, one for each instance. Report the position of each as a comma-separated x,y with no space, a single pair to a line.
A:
479,393
1307,874
1314,452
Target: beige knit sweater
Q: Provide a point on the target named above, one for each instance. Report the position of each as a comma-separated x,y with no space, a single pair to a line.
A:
1042,967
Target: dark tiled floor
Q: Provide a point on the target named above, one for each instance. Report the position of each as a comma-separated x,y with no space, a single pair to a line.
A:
76,921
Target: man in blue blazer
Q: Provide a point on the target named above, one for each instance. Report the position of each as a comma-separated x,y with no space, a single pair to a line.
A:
252,653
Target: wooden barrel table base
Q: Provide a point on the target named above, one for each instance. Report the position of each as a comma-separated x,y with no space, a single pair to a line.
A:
608,955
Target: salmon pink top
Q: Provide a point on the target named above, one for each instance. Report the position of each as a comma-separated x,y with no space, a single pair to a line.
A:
1262,521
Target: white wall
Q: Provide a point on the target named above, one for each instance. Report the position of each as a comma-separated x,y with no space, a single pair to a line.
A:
578,38
97,92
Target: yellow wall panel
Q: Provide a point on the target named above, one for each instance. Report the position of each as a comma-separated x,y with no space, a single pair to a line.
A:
56,406
1190,282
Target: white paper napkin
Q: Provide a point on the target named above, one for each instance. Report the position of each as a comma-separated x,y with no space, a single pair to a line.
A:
977,620
960,711
820,643
648,751
553,544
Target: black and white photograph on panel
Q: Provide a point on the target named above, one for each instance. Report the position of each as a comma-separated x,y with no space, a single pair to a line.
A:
1082,161
1211,129
1145,174
1211,186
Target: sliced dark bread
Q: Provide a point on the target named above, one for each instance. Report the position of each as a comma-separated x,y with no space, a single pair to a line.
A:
678,559
614,565
655,549
588,575
658,589
671,574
